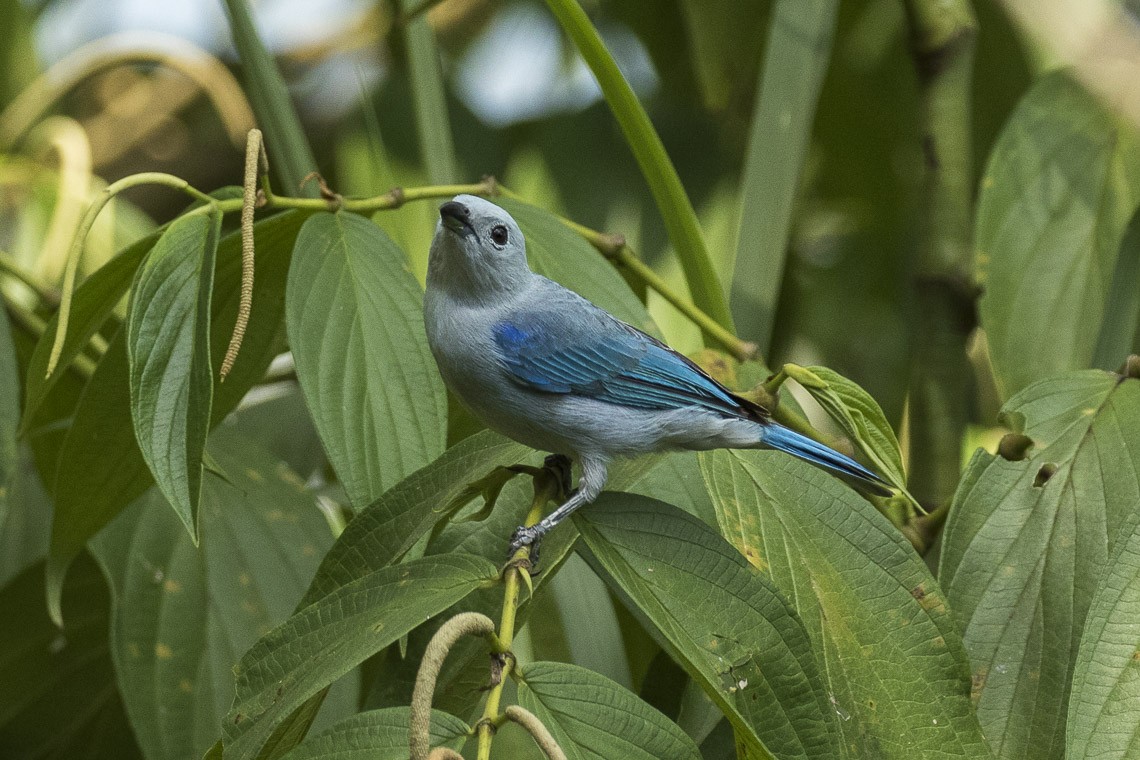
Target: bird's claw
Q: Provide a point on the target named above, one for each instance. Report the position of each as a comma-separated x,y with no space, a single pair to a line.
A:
524,536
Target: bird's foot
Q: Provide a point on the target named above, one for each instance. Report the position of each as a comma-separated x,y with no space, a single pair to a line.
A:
527,536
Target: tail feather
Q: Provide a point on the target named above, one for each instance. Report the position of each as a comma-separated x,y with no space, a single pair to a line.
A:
782,439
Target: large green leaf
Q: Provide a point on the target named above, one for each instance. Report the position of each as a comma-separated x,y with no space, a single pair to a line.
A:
323,641
168,353
356,329
9,413
590,716
1060,187
893,662
185,615
795,61
101,469
1025,545
58,698
1104,709
378,735
382,534
557,252
721,620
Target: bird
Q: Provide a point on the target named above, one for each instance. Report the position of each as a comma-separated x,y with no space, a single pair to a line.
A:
544,366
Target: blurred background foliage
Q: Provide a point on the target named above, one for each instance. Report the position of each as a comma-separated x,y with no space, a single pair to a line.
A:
523,107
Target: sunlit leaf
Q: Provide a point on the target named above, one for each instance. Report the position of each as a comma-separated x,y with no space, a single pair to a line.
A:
185,615
590,716
893,664
377,735
168,353
356,329
1025,545
724,622
325,640
1061,185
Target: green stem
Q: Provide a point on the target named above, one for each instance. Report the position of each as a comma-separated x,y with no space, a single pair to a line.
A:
545,488
676,210
942,41
293,158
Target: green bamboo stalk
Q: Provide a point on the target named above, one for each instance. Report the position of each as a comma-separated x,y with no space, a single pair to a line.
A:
795,61
942,36
284,139
429,101
676,210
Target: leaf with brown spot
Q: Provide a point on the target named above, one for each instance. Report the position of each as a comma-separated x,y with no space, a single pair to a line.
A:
1022,555
184,616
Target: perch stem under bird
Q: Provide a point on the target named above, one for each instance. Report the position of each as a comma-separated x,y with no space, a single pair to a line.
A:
544,366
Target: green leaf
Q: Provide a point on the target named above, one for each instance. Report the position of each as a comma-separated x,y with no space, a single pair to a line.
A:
382,533
25,528
9,413
386,531
325,640
861,419
101,469
726,624
93,301
1104,709
557,252
1025,545
894,667
356,328
378,735
59,698
590,716
1061,185
184,616
168,352
1119,335
795,61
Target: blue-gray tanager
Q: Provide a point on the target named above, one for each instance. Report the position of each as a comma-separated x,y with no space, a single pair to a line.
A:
546,367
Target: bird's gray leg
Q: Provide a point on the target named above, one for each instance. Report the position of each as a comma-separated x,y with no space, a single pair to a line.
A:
589,488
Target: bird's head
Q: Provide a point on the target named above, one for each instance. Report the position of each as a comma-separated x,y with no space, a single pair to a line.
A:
478,249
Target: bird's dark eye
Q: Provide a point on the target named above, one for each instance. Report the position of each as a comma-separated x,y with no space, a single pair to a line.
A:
499,234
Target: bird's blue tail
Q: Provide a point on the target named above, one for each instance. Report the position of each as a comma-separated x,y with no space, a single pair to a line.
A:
782,439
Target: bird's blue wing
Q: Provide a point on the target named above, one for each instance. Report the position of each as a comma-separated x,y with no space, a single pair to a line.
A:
590,353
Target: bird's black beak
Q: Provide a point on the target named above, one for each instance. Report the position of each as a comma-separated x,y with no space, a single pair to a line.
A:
457,218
